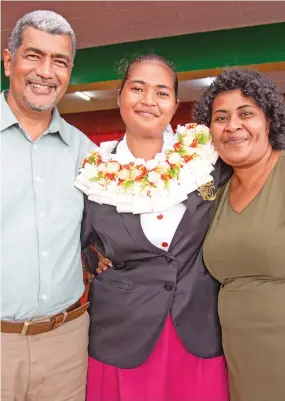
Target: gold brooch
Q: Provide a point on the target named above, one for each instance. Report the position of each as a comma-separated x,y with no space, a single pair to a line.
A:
207,191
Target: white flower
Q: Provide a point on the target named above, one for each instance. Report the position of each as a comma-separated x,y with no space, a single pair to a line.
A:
154,177
90,170
199,167
102,167
163,168
180,129
202,128
112,167
124,158
124,174
190,151
102,182
151,164
188,138
134,173
174,158
208,152
139,162
160,157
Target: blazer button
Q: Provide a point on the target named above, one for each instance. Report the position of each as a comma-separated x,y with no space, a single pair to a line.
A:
168,286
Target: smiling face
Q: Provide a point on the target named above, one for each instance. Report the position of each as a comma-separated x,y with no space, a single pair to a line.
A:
239,129
147,101
40,71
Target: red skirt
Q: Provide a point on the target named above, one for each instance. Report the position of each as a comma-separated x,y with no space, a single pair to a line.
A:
171,373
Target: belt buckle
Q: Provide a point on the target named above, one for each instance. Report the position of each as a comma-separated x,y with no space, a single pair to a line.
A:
58,323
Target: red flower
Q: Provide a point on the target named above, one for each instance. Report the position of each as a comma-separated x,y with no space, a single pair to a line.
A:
191,125
110,176
188,158
177,146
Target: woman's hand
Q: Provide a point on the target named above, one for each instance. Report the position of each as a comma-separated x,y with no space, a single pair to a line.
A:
103,263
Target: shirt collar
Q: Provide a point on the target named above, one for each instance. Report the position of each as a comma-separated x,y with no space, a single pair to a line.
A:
9,119
58,125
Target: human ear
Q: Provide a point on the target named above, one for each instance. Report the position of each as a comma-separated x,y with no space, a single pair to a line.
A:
7,56
118,97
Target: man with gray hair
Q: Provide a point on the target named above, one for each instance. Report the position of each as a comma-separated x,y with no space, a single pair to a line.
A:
44,327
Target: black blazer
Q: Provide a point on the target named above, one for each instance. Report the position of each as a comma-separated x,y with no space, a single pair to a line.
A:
131,300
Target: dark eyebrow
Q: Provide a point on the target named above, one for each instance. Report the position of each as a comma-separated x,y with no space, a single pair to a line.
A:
137,81
225,111
38,51
244,105
220,111
163,87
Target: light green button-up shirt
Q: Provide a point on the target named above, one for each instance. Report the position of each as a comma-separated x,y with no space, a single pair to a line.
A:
41,212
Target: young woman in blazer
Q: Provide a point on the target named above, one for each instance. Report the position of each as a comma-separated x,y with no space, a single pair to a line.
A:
154,330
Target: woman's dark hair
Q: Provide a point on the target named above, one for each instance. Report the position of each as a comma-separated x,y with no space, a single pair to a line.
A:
252,84
125,67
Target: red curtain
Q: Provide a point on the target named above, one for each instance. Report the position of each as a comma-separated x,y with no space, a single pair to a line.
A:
110,136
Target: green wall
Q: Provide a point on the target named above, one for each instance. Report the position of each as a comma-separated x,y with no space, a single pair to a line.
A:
200,51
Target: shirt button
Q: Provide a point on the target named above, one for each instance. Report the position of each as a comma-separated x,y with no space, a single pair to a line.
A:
168,286
41,215
44,297
164,244
35,146
38,179
159,216
44,254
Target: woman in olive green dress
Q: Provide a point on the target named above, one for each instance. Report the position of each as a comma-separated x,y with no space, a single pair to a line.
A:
245,246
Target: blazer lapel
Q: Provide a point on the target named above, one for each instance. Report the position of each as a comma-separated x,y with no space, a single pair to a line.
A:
184,226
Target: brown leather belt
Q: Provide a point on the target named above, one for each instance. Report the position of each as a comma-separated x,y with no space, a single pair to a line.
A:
39,326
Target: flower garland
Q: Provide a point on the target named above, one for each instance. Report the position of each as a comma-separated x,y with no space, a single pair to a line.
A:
155,185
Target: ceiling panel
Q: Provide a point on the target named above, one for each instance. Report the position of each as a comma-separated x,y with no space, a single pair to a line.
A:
99,23
273,13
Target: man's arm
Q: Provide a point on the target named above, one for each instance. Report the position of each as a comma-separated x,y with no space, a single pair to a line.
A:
94,261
